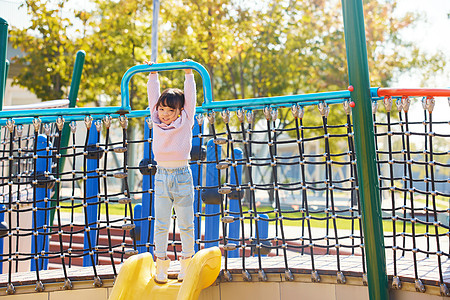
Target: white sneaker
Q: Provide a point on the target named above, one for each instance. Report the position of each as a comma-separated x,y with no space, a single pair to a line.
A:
162,266
184,263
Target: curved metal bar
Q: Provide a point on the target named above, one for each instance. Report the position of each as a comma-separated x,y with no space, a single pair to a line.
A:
207,89
69,118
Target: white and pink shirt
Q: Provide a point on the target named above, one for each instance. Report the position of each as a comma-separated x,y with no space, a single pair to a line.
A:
172,143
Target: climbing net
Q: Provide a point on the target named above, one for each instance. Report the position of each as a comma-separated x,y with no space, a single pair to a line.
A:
414,165
278,181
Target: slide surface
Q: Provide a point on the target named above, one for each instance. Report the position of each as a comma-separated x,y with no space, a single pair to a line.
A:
135,280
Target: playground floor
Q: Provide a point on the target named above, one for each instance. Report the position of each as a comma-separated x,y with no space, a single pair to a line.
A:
298,264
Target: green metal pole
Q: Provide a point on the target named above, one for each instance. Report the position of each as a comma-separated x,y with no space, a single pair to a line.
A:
6,72
358,72
3,46
65,133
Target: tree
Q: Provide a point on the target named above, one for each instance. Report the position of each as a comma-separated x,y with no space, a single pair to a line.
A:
49,54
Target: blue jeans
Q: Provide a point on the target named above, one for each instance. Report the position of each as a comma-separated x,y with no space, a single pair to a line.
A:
174,188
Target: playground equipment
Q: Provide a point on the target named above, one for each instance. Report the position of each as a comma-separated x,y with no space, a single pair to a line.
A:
135,280
321,235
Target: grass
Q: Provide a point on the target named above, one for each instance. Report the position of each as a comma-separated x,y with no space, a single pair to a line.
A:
341,224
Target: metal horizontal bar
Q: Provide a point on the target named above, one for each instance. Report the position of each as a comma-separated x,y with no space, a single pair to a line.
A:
63,112
69,118
303,99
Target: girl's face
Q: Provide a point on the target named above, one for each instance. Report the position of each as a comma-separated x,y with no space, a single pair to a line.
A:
168,114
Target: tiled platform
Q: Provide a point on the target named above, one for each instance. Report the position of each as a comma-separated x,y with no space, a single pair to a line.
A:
298,264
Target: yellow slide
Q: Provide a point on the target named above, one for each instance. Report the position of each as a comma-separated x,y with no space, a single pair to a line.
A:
135,280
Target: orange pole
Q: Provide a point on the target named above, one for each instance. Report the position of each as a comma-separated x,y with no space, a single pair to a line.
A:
383,92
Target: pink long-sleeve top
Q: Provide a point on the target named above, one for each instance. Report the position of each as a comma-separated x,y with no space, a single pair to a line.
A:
172,142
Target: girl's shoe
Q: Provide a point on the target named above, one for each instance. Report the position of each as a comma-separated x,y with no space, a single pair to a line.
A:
184,263
162,266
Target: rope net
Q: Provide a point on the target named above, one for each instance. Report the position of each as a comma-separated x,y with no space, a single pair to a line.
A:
270,182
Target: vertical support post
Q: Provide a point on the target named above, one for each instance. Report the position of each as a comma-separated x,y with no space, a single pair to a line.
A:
91,197
3,46
263,231
137,214
65,133
234,228
43,164
358,72
155,31
147,204
2,218
212,223
196,170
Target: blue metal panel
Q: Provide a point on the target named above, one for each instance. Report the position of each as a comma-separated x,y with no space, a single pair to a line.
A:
147,200
42,216
212,223
91,196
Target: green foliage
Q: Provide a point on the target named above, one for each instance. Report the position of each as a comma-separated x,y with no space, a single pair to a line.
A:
250,50
48,63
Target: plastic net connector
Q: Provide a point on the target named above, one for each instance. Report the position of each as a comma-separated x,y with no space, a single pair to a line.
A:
324,109
225,115
396,283
250,116
60,123
120,175
130,252
10,125
288,275
240,115
222,165
211,117
227,219
88,122
340,278
123,121
364,279
39,286
124,200
225,190
387,103
374,107
10,290
36,124
262,275
200,119
120,149
227,276
128,226
246,275
419,286
98,125
19,132
315,277
444,290
73,126
229,247
107,121
98,282
220,141
67,284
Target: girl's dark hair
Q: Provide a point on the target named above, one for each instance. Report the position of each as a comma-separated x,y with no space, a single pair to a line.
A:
173,98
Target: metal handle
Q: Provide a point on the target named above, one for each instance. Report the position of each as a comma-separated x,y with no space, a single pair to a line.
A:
170,66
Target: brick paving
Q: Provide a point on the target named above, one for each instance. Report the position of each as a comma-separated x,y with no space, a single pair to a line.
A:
350,265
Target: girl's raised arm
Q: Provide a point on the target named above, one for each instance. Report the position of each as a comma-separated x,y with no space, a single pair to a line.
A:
190,95
153,90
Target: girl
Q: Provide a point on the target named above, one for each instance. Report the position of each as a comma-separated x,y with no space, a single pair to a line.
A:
172,114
